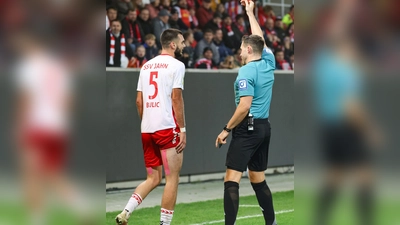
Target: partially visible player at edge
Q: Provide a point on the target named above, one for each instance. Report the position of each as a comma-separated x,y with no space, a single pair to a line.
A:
251,130
161,109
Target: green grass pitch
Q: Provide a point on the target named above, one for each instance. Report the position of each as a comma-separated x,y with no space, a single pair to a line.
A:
212,211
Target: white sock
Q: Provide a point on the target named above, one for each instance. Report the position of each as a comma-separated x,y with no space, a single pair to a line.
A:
166,216
133,203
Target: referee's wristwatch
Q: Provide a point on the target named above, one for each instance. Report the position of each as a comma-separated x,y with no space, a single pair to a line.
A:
227,130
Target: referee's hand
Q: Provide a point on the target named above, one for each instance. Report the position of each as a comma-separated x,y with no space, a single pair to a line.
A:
221,139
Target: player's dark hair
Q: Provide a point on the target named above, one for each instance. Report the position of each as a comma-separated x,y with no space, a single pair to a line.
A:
256,42
168,36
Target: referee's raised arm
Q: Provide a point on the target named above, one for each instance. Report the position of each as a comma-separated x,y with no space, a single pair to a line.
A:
255,27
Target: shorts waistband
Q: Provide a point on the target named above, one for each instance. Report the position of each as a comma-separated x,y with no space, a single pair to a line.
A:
261,121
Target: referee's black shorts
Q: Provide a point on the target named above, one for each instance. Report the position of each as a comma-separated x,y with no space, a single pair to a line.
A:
249,148
344,145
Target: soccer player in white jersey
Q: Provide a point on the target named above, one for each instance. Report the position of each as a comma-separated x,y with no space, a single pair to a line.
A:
161,108
44,96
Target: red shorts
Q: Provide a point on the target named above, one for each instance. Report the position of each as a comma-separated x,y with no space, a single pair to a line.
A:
153,143
50,147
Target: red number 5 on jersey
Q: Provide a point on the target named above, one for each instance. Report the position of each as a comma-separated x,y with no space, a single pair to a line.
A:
154,75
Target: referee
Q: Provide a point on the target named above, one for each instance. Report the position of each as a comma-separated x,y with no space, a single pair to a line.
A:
249,124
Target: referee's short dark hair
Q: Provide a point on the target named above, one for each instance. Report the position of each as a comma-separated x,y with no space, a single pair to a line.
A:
168,36
256,42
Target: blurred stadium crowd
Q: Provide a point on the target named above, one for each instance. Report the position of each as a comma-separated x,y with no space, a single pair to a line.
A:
212,30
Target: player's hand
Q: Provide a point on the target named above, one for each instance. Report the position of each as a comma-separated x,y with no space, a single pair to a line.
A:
221,139
182,143
249,6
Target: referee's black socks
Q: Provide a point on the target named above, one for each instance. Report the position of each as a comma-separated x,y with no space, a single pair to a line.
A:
365,204
231,201
264,198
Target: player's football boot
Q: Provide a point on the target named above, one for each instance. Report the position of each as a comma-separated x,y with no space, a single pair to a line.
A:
122,218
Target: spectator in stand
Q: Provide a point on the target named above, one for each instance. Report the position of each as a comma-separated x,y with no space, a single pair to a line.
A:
281,63
290,32
123,7
118,52
188,52
287,47
166,4
150,46
195,21
221,10
280,32
107,21
241,24
197,32
215,23
132,30
232,34
139,59
204,13
160,24
207,61
185,21
288,18
222,49
191,4
265,13
233,8
238,58
228,63
270,37
145,22
109,3
112,15
207,41
138,5
153,8
214,4
291,61
173,19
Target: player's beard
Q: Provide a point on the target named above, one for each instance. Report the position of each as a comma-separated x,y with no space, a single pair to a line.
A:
178,52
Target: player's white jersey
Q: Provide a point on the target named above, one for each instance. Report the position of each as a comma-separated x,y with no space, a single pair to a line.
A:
47,85
156,80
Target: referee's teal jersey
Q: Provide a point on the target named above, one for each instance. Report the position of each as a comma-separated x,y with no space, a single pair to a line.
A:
256,79
336,81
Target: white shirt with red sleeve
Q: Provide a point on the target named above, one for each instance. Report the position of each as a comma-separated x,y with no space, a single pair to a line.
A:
46,83
156,80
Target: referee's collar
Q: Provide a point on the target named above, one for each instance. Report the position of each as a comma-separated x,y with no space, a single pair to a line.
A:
255,60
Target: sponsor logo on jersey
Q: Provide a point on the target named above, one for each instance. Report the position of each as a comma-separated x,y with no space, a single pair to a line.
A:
242,84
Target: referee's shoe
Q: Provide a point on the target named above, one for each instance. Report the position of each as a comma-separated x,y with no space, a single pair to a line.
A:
122,218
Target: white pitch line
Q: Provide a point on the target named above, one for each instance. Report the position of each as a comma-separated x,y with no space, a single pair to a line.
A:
245,217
